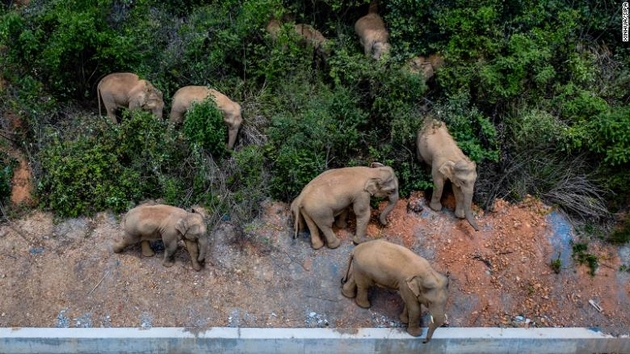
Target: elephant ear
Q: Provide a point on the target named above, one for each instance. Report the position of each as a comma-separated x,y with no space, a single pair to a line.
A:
422,285
372,185
376,164
414,285
447,169
181,226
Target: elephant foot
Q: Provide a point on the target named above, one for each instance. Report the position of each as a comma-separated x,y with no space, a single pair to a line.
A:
363,303
460,213
334,243
349,293
197,266
317,244
414,331
146,249
168,263
437,206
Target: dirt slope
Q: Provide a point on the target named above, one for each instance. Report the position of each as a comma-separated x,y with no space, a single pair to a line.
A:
64,274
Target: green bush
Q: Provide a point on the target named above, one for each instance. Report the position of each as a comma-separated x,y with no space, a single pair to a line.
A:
6,174
205,127
106,166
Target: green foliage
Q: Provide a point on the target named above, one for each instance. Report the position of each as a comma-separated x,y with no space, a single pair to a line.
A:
305,142
534,92
581,256
205,127
6,174
556,265
621,234
105,166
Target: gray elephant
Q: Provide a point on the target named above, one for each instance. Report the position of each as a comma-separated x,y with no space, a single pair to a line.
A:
372,34
391,266
145,223
127,90
438,149
185,96
330,194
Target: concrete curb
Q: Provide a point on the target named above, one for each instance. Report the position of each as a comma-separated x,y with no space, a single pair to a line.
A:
307,340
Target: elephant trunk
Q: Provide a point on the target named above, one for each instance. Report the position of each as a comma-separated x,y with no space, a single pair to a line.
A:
468,212
393,199
203,246
437,319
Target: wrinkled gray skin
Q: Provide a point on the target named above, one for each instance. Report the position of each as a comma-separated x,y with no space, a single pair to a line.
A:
330,194
231,111
438,149
391,266
127,90
146,223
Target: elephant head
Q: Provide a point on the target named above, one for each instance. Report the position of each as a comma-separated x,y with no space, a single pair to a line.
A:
150,99
432,292
463,175
383,184
193,228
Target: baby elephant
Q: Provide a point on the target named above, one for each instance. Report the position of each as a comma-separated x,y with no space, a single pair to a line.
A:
392,266
171,224
373,35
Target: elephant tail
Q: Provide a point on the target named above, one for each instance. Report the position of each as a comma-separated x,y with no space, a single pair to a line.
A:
99,98
345,277
295,210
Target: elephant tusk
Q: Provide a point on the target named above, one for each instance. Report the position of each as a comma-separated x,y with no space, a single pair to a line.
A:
432,320
446,317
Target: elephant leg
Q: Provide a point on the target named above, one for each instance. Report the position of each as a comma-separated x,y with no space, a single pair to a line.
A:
232,134
342,219
404,315
349,288
316,240
438,182
413,327
169,252
459,202
362,296
362,211
324,220
146,249
193,250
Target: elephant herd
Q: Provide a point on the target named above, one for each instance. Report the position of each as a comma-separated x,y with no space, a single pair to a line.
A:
127,90
327,199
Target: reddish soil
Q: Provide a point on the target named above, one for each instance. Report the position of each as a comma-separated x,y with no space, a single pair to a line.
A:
63,273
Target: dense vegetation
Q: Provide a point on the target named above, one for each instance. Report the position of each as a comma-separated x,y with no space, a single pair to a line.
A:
534,91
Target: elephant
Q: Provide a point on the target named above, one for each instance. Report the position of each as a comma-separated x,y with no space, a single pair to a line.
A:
185,96
330,194
437,148
373,35
427,66
159,221
313,38
128,90
392,266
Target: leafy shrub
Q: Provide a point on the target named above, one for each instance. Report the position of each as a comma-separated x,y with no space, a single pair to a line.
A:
6,174
204,126
106,166
318,135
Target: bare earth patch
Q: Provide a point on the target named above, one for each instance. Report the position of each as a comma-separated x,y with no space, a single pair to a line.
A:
64,274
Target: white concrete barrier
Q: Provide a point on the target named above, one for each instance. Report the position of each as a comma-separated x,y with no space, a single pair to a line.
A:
307,340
